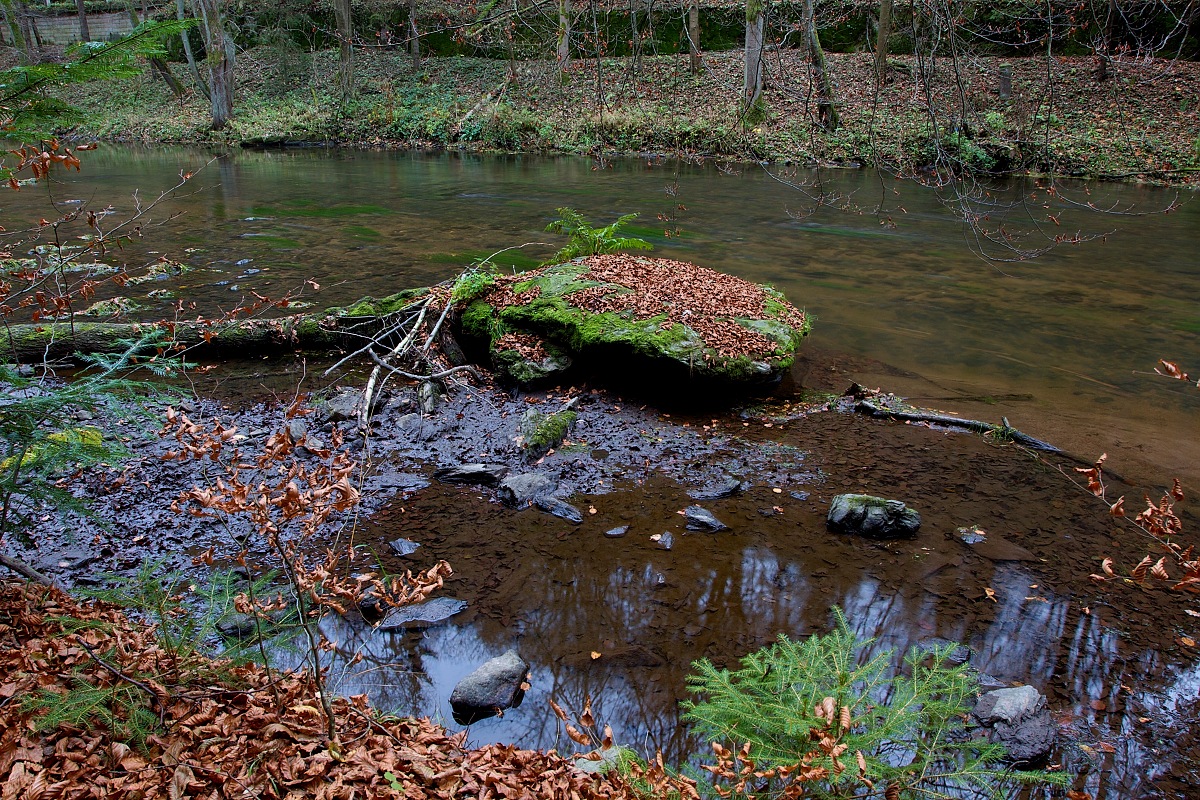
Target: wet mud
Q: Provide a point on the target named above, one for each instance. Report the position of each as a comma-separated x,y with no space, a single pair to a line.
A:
620,618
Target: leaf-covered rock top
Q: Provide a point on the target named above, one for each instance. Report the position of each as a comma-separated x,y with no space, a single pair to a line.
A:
715,325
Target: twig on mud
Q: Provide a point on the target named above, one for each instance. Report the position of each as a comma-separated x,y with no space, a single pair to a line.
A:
1005,430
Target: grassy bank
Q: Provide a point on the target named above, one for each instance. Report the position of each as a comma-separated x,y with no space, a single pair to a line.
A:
1141,123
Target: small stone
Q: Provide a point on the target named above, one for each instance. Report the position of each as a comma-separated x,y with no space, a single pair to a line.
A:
720,490
559,508
520,490
873,517
1007,705
665,540
701,519
422,615
617,533
403,547
493,687
482,474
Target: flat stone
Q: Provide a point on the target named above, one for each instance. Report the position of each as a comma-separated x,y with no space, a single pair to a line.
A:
701,519
1007,705
873,517
618,532
480,474
422,615
720,490
521,490
559,508
342,405
1028,741
493,687
403,547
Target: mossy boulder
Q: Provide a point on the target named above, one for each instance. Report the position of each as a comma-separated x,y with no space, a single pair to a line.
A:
664,320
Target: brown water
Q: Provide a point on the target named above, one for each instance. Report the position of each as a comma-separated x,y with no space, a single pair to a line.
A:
1063,346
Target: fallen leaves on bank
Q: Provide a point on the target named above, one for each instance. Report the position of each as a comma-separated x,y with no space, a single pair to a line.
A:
249,734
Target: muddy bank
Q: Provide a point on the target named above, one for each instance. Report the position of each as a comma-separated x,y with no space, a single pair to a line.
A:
621,618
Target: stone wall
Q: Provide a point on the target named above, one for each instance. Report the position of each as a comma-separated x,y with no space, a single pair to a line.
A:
64,30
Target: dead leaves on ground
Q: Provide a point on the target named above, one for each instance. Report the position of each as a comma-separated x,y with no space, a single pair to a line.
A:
252,734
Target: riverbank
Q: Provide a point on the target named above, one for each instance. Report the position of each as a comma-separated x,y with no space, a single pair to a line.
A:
1142,123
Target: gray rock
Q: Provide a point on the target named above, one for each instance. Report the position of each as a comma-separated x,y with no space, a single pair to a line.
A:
422,615
521,490
665,540
1008,705
482,474
618,532
494,686
559,508
342,405
873,517
719,490
1029,740
70,558
403,547
540,433
297,429
701,519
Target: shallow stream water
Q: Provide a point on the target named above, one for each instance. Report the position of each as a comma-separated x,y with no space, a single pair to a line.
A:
1063,346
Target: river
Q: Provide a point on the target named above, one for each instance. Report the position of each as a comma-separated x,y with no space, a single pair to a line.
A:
1064,346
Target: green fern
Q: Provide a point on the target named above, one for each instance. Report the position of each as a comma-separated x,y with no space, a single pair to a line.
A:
584,240
908,727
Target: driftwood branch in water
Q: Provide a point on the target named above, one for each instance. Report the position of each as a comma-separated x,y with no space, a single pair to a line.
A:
21,568
1003,432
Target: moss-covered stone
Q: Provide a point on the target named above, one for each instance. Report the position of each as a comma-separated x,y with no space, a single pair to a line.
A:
372,307
541,432
541,304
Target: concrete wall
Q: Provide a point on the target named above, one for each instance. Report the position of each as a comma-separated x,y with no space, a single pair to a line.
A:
64,30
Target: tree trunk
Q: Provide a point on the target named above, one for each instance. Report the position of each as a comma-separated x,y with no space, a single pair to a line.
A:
752,81
635,40
826,108
881,42
693,34
12,16
414,38
84,34
221,54
185,36
164,71
564,35
1107,44
345,26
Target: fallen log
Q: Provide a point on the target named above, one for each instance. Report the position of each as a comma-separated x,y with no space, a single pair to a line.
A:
1003,432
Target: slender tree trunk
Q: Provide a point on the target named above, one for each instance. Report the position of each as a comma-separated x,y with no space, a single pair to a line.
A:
345,25
221,55
414,38
564,35
826,108
1106,46
84,34
163,70
12,16
755,42
635,41
881,41
185,37
693,34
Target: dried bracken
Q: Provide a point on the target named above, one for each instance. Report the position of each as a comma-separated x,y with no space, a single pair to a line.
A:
256,734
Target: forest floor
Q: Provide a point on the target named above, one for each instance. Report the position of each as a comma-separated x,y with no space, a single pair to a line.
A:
1142,122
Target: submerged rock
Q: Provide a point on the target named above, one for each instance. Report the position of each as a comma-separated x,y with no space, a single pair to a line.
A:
873,517
671,322
617,532
559,508
422,615
701,519
493,687
482,474
403,547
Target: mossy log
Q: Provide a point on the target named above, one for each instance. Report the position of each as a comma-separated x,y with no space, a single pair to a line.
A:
320,330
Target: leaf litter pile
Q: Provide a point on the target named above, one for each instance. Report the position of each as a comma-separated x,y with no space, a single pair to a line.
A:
215,730
708,301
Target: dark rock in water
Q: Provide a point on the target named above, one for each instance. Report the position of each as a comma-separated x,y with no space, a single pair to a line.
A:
559,508
798,495
70,558
482,474
873,517
403,547
701,519
1018,720
665,540
493,687
521,490
719,490
617,533
422,615
960,654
